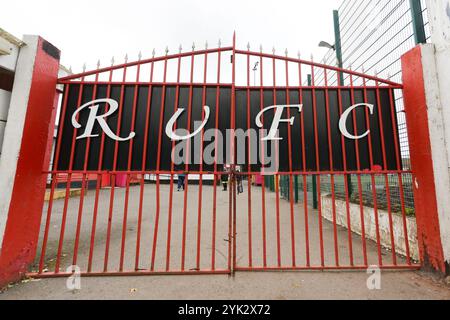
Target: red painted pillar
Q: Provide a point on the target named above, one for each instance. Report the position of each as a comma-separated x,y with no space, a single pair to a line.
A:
29,183
418,121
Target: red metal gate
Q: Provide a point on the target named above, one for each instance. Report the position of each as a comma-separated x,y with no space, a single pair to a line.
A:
345,199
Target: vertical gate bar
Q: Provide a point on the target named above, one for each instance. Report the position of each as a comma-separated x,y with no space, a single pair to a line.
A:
68,184
391,223
233,184
386,179
358,164
291,187
372,176
110,215
83,183
347,200
130,155
63,223
54,177
144,164
233,149
47,224
213,240
200,189
230,227
370,142
277,177
263,198
305,177
400,177
347,186
405,226
99,181
330,154
124,223
94,222
79,219
349,229
172,168
183,252
249,176
113,182
375,204
316,139
158,166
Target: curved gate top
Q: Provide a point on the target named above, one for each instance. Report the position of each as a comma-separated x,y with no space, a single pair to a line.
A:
249,120
236,85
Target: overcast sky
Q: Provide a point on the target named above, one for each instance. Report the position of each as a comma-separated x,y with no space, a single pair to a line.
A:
88,30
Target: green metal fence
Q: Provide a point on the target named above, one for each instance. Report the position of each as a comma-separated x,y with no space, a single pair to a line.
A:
380,191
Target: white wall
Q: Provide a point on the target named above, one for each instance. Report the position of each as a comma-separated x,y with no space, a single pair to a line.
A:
15,125
436,65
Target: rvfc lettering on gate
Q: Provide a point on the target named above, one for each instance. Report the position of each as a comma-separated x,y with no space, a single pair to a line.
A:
272,135
311,130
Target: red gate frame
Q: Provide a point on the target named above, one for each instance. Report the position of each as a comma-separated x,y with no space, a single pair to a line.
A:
232,263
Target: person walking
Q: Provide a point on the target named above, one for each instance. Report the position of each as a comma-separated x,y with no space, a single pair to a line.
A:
224,178
181,182
239,178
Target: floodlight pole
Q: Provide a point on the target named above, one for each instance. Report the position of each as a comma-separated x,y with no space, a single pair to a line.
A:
340,64
313,177
417,20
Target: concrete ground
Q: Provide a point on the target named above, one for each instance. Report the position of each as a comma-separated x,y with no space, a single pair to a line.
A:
244,285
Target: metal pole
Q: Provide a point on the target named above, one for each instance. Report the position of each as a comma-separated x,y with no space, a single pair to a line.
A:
338,44
296,195
313,177
340,64
417,21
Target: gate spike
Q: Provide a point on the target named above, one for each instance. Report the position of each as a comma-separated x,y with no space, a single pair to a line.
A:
299,55
389,76
84,67
126,58
363,69
180,48
193,46
206,45
220,43
167,50
112,61
140,55
286,52
273,50
376,73
98,64
248,46
260,48
153,53
312,57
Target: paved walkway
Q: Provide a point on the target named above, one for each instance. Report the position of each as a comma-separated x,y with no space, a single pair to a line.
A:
274,285
330,285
